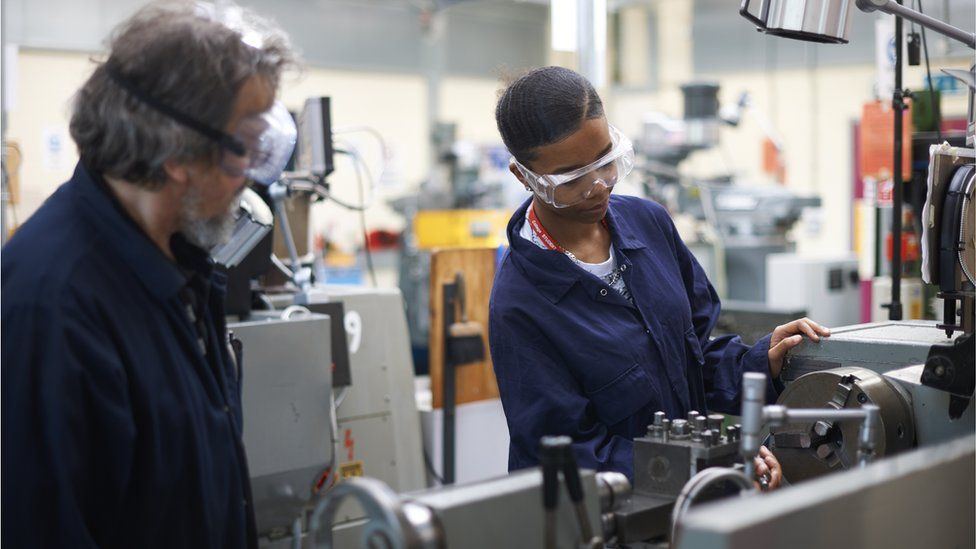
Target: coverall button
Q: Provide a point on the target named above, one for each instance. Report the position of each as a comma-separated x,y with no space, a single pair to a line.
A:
603,292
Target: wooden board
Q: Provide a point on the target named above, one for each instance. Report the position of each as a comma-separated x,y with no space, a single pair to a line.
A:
475,381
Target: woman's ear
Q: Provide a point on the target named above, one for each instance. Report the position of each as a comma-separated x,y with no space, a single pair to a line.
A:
518,174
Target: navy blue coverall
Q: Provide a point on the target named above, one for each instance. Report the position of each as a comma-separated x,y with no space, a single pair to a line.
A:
122,418
573,357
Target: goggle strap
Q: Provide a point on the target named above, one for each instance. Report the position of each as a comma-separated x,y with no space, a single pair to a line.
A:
224,140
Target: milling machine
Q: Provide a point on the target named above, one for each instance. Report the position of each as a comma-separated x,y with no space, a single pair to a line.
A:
329,390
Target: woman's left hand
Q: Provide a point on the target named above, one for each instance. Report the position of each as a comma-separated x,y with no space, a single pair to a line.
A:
767,464
790,335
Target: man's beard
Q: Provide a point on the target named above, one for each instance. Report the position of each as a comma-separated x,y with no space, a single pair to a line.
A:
209,232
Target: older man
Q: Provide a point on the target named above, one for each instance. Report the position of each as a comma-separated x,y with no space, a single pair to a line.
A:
121,393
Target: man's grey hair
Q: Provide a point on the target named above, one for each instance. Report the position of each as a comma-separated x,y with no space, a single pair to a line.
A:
192,57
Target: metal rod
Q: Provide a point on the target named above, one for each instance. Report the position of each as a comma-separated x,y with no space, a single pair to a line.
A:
898,106
549,534
583,519
449,389
898,10
278,196
753,398
801,414
871,423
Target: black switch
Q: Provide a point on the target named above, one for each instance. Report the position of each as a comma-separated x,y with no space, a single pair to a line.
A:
914,49
835,279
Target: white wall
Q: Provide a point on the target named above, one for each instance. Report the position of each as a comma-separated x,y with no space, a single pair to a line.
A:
46,82
812,109
395,105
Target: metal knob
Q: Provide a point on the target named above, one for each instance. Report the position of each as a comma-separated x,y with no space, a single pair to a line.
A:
705,437
715,422
732,433
680,428
701,423
692,415
658,418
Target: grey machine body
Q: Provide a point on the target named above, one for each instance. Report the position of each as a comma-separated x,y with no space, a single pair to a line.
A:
287,395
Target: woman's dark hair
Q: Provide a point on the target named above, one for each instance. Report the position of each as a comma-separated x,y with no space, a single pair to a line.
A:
543,107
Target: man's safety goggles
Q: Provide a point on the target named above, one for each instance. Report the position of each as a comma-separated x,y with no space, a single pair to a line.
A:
567,189
260,147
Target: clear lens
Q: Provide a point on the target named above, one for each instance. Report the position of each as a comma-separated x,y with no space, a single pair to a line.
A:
268,139
564,190
579,189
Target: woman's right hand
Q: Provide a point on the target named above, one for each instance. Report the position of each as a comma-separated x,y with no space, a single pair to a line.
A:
767,464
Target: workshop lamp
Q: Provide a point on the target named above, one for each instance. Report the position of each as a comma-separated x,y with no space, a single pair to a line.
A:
828,22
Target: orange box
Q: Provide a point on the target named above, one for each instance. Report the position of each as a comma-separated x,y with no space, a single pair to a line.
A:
877,141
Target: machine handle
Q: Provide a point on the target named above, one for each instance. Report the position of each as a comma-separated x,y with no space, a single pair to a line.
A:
551,459
571,473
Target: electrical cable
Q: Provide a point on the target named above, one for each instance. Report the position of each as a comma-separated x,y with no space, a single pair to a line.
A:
292,310
282,267
341,397
430,468
928,71
362,224
384,150
330,470
321,190
296,533
327,481
265,300
359,167
358,162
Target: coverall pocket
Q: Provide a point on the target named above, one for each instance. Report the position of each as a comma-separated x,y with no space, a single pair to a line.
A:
622,397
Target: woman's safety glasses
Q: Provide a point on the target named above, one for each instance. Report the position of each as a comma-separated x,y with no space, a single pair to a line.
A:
567,189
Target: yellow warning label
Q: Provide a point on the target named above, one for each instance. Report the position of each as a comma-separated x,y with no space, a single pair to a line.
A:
350,469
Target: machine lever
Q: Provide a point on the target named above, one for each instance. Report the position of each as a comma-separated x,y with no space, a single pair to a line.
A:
575,488
550,458
555,455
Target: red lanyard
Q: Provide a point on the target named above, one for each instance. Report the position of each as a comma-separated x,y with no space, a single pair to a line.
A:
544,235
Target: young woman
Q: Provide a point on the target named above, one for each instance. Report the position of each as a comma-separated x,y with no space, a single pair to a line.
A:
600,316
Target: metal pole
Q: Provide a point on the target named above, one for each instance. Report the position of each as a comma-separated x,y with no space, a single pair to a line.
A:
435,22
898,106
753,398
801,414
591,40
896,9
4,183
872,421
